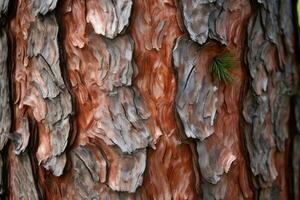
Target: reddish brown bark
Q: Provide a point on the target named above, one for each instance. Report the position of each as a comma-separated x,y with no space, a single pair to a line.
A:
118,100
171,171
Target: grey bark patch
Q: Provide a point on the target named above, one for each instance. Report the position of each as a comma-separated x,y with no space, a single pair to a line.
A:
22,179
213,192
114,58
3,8
196,18
121,118
196,99
42,42
126,172
5,111
43,6
90,161
21,140
214,162
56,164
122,122
46,78
108,17
83,179
210,19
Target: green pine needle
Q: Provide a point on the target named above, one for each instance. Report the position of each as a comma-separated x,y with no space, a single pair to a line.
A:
221,67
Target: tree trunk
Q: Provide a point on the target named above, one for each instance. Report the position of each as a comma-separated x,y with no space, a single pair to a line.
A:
149,99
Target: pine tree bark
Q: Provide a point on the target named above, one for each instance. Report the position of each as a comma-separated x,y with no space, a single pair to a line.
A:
149,99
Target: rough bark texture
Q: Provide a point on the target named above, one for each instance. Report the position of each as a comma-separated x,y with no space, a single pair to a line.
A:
118,99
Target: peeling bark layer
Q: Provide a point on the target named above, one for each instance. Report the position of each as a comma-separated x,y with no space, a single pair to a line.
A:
119,100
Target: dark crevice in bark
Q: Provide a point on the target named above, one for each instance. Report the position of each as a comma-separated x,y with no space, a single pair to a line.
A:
297,32
31,150
11,12
289,164
294,190
245,87
64,71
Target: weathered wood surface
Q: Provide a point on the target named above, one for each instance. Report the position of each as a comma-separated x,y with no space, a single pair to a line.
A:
106,99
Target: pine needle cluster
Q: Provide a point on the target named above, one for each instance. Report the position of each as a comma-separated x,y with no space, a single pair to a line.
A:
221,67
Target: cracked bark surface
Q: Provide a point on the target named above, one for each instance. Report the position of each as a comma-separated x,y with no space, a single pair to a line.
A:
117,99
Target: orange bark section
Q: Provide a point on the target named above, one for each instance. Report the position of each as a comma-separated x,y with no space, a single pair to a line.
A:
19,31
170,171
228,134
